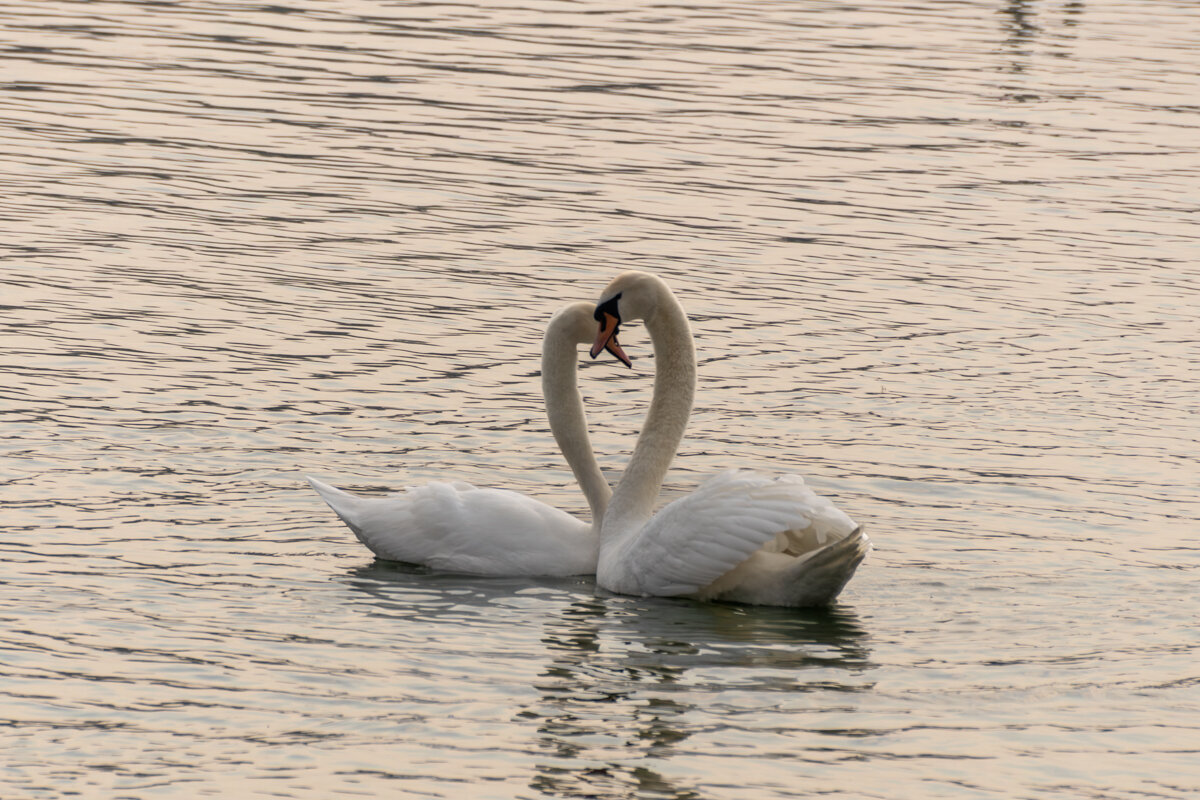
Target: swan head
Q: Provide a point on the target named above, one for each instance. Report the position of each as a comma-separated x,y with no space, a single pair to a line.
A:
630,296
576,323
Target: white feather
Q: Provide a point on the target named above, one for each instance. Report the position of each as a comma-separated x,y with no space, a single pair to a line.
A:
695,541
456,527
739,536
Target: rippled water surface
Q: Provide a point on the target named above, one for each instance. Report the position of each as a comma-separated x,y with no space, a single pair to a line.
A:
941,258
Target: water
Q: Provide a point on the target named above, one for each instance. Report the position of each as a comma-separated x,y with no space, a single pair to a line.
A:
940,258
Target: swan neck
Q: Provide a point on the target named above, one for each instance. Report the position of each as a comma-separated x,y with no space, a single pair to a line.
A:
671,405
568,421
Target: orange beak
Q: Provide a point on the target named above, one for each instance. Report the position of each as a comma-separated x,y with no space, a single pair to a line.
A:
606,339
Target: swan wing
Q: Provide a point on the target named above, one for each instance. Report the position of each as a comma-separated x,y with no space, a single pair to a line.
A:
456,527
696,539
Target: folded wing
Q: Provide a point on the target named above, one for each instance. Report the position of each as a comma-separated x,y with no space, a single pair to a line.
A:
696,539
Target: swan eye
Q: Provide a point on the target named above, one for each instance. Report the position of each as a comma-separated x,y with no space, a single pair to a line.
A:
608,307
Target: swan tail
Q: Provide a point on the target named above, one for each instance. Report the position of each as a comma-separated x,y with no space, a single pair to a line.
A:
818,579
398,527
350,509
814,579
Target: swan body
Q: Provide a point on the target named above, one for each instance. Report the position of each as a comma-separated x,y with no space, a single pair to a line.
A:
740,536
456,527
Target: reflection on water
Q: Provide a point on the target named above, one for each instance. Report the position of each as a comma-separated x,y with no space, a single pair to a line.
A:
940,259
1033,29
627,682
621,690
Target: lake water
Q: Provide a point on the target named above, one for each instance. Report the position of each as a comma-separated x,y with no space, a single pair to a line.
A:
941,258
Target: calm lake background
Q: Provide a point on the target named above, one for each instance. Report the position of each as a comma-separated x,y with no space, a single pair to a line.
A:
941,258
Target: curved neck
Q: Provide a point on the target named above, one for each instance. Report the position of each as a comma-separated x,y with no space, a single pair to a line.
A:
568,422
662,431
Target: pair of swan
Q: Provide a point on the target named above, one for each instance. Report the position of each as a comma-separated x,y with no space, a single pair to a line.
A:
738,537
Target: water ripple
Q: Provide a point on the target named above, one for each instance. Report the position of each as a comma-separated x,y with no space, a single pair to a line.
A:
939,259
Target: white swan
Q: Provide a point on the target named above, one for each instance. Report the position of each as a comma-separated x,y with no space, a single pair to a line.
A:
740,536
456,527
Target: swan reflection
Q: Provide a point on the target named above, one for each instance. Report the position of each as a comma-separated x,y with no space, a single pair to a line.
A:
624,689
622,673
409,590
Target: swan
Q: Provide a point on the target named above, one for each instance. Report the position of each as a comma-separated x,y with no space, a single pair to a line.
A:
740,536
456,527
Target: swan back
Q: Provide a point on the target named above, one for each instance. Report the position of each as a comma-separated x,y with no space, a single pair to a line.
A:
456,527
689,546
